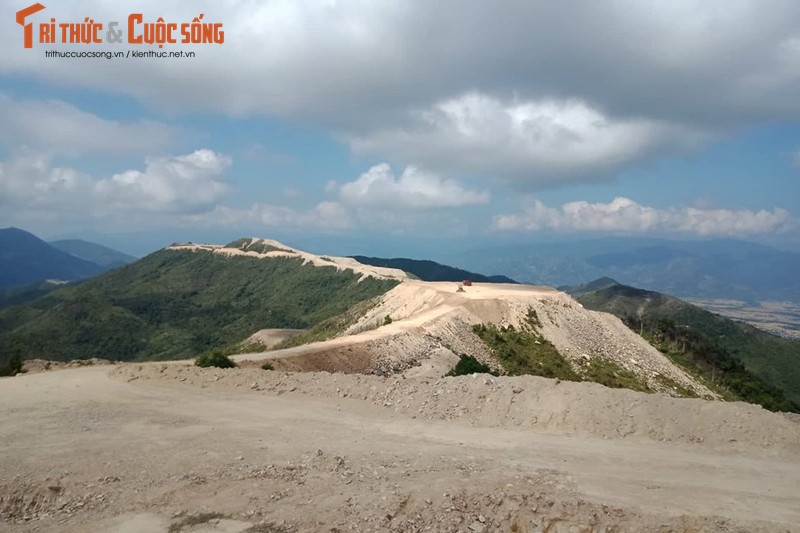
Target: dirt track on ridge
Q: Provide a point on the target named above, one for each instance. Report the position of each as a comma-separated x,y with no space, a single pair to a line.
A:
149,447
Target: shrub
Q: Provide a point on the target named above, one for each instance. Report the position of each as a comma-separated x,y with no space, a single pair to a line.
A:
267,366
608,373
469,365
387,320
525,352
214,358
12,367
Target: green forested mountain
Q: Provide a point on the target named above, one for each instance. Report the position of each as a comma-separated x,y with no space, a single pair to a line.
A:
25,258
177,303
750,364
27,293
430,270
592,286
100,255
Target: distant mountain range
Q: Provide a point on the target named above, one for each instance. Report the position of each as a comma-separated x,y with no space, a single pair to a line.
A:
27,259
721,268
430,270
98,254
755,365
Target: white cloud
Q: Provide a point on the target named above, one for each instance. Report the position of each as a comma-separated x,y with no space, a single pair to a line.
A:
182,189
623,215
536,141
168,185
31,182
312,57
413,189
185,183
53,126
324,216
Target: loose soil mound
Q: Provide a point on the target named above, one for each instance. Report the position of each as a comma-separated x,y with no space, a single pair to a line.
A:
530,402
167,448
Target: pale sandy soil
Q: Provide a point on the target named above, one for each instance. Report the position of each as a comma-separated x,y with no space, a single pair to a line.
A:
340,263
271,337
148,447
431,325
428,319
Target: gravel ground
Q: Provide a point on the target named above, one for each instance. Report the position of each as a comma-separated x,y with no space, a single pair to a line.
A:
167,448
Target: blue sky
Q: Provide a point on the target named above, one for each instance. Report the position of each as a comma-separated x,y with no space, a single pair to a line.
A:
411,127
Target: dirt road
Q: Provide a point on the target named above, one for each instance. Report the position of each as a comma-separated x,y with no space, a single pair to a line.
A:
166,448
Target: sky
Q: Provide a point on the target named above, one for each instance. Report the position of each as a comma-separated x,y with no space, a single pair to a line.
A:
408,126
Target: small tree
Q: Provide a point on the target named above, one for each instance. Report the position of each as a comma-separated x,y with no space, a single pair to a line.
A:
12,367
216,359
469,365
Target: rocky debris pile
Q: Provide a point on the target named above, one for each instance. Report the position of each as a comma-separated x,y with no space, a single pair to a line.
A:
403,351
527,401
429,316
379,492
32,366
23,500
588,334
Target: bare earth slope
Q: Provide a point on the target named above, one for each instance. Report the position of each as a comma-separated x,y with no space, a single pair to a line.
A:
169,447
153,447
431,318
266,248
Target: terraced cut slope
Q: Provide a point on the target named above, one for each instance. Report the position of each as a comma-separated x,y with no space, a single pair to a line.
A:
431,324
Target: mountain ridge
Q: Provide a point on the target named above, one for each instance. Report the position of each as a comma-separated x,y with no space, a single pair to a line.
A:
428,270
767,357
98,254
25,259
180,301
714,268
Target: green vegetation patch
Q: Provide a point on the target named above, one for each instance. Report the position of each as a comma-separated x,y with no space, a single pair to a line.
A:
610,374
469,365
524,352
12,367
712,363
215,359
330,327
176,304
732,358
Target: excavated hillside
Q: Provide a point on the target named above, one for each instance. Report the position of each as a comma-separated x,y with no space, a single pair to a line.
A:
269,248
171,447
430,324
